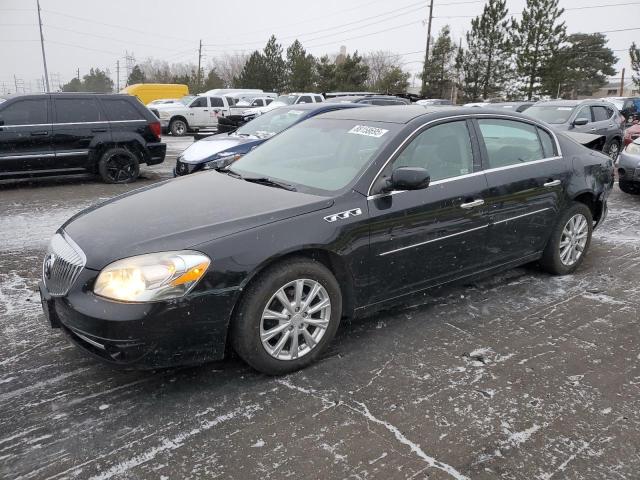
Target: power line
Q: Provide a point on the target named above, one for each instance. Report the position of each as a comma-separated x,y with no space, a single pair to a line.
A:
637,4
365,35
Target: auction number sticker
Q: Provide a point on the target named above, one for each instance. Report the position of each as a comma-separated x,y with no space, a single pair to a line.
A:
368,131
296,112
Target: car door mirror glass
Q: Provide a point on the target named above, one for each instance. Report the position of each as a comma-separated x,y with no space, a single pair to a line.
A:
408,178
580,121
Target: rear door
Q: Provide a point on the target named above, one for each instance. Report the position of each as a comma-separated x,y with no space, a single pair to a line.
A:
426,237
77,120
25,135
602,123
527,181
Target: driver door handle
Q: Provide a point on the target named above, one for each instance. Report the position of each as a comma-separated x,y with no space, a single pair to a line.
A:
552,183
475,203
43,133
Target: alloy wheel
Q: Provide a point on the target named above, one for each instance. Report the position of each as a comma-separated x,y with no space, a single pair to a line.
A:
614,150
120,167
179,128
295,319
574,239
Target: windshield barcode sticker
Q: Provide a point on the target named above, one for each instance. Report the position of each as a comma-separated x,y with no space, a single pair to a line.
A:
296,112
368,131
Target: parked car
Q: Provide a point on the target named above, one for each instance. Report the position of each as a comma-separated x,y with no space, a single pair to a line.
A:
513,106
379,100
628,106
71,133
348,94
587,116
633,131
629,168
200,112
337,216
147,92
282,100
251,102
434,102
217,151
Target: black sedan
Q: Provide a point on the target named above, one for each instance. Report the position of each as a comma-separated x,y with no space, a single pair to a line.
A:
335,217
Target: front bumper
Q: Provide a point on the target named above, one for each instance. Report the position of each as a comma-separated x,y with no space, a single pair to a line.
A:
628,167
183,331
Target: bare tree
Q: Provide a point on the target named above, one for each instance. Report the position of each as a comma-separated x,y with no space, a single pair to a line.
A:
229,66
380,63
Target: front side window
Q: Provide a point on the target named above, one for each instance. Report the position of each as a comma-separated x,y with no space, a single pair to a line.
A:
585,112
320,154
119,109
305,99
77,110
25,112
199,103
444,151
509,142
318,98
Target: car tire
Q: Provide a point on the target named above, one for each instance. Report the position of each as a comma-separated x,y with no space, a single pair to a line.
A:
178,128
262,309
570,240
632,188
613,149
119,165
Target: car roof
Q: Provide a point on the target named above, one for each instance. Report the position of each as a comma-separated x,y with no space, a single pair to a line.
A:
405,113
321,107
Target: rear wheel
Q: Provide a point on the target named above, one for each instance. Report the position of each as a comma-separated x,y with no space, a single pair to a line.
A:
119,165
569,241
287,317
178,127
630,187
613,150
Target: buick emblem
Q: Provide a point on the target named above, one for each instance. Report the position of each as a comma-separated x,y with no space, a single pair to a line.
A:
48,265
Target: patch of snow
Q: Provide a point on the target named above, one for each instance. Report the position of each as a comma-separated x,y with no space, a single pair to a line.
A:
258,444
104,406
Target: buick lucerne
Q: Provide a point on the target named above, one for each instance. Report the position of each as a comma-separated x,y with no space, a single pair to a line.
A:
335,217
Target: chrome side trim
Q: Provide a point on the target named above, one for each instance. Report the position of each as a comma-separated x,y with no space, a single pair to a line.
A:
30,155
521,216
72,123
432,240
466,116
74,153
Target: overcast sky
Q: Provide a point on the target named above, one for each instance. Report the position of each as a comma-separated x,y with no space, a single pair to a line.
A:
87,33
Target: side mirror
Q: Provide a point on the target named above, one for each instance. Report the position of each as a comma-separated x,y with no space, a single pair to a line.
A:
578,122
408,178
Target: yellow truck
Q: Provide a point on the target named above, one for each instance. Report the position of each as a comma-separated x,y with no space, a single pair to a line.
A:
148,92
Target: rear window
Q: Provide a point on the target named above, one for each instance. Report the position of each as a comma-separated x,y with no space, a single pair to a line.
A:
25,112
78,110
120,109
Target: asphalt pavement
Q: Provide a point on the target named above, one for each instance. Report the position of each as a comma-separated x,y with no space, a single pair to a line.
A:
518,376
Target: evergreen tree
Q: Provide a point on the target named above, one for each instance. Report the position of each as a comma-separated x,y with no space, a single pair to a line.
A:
536,39
212,81
325,75
96,81
253,74
136,76
395,80
351,73
300,68
75,85
580,67
470,69
275,69
634,53
439,70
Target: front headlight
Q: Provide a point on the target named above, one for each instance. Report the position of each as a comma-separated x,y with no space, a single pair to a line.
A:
633,148
152,277
221,162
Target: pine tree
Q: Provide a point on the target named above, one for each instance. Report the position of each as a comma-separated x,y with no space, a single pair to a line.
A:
300,68
212,81
634,53
351,73
325,75
439,70
394,80
274,67
136,76
253,74
536,38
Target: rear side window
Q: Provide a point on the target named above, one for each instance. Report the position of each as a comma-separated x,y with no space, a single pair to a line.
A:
444,151
78,110
217,102
120,109
269,100
509,142
548,145
600,113
318,98
25,112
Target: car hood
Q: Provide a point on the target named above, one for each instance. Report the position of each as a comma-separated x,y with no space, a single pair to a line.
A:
181,214
211,147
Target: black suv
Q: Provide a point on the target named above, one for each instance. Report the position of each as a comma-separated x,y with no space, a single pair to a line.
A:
53,134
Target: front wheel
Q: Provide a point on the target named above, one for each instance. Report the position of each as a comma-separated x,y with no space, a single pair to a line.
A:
287,317
613,150
569,241
178,128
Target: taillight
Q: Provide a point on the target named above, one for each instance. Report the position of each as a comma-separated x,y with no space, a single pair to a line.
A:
156,129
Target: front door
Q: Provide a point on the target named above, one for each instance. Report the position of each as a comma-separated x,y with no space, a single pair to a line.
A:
25,136
425,237
527,180
77,121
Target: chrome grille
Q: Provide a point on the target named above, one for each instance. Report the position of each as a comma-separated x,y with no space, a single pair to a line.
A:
62,265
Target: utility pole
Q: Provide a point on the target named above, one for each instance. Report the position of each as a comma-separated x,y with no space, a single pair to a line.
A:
199,63
622,84
426,52
117,76
44,57
78,74
15,82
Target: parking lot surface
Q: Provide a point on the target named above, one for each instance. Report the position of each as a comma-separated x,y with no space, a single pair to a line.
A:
518,376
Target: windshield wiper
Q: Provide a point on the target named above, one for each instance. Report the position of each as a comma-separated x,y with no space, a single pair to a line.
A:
270,182
228,171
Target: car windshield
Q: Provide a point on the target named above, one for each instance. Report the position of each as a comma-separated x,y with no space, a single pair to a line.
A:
320,154
271,123
554,114
187,99
286,99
